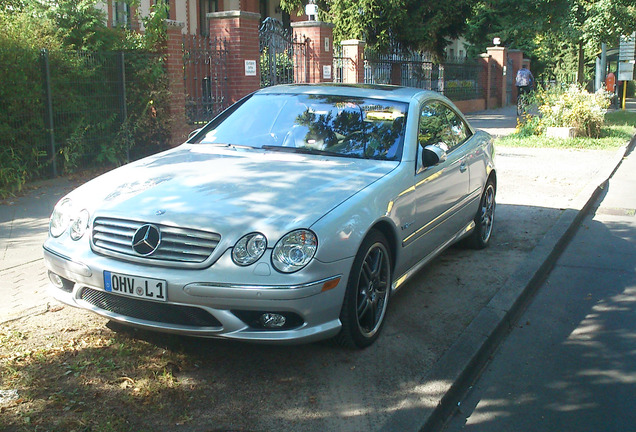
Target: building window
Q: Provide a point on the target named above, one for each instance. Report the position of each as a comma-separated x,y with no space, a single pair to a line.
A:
206,7
121,14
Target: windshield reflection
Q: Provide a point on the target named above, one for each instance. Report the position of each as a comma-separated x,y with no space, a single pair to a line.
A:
316,124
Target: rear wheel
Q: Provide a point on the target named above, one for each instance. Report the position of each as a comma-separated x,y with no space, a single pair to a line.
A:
484,219
367,295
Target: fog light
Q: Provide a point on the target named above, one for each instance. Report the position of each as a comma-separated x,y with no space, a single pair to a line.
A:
272,320
56,280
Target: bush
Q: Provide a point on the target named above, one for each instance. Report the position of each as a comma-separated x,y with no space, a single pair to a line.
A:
573,107
85,61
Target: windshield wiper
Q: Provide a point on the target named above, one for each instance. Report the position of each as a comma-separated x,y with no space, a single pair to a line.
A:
303,150
231,146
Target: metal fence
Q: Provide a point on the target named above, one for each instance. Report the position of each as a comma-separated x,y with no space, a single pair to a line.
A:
283,56
458,79
205,77
62,110
340,64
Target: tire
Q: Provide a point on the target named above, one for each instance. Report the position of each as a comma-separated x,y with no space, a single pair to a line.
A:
367,296
484,219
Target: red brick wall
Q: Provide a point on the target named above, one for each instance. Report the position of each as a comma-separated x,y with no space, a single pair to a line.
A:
174,69
472,105
517,62
320,54
353,63
499,55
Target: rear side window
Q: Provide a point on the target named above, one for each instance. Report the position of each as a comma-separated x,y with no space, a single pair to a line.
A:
434,128
440,125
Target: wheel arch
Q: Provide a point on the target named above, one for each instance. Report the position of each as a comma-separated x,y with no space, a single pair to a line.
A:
388,231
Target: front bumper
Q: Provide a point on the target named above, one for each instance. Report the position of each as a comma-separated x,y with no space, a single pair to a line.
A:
204,304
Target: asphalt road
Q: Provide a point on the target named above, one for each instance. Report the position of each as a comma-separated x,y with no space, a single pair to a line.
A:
569,363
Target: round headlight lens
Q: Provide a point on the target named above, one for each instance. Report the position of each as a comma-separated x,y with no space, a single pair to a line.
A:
60,218
294,251
79,225
249,249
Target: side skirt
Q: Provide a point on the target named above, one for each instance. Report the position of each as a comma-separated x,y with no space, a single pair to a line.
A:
398,282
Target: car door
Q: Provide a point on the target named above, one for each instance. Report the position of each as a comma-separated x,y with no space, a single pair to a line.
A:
440,189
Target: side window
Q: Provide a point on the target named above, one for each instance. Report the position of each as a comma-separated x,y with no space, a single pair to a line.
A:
434,127
434,130
459,128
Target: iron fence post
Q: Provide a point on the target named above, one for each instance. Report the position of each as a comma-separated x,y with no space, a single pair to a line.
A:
46,73
122,99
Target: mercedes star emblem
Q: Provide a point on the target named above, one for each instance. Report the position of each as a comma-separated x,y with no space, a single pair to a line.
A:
146,240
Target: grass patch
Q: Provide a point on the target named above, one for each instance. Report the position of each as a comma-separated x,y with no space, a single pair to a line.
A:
619,128
621,118
98,381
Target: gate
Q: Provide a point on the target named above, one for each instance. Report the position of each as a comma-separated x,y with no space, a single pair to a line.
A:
283,57
205,77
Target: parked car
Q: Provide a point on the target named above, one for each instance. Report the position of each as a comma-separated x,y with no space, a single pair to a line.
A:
291,217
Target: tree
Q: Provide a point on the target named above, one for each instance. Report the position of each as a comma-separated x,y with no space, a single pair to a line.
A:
564,35
411,24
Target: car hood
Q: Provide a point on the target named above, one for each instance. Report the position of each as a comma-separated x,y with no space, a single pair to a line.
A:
229,191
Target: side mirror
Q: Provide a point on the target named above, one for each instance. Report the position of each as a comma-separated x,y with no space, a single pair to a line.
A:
193,133
433,154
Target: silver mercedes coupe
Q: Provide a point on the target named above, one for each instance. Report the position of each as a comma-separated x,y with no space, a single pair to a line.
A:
293,216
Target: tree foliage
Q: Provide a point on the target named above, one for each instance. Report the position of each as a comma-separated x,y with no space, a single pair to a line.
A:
85,60
563,35
412,24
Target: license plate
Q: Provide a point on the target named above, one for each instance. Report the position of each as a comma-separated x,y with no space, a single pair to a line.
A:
135,286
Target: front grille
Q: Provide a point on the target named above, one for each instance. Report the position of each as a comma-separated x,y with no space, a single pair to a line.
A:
149,310
178,245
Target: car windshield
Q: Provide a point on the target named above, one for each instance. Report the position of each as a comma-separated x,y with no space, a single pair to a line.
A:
317,124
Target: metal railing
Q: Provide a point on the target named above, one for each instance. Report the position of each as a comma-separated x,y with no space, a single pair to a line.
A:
62,110
205,77
458,79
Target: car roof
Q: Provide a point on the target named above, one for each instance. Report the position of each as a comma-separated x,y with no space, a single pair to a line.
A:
375,91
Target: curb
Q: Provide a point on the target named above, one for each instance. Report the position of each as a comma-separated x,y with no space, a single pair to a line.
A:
463,362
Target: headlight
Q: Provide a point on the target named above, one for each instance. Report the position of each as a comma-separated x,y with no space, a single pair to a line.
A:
294,251
249,249
79,225
65,215
60,218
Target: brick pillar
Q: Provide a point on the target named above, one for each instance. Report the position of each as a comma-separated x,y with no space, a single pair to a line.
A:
500,56
353,64
240,29
174,69
249,6
319,50
517,61
484,78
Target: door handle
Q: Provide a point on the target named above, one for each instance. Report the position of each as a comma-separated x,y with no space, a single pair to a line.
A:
463,167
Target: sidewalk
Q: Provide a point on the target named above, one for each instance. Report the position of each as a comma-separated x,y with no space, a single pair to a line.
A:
23,229
570,362
497,122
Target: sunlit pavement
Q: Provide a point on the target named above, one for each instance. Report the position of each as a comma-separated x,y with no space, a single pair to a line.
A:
497,122
570,361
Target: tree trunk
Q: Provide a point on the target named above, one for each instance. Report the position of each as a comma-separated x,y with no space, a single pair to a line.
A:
580,77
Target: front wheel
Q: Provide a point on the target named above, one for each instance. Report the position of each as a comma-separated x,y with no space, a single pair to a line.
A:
367,295
484,219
